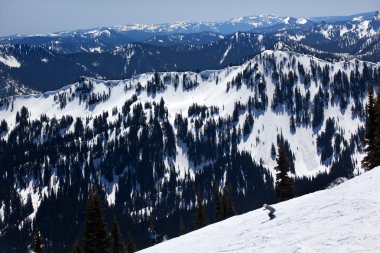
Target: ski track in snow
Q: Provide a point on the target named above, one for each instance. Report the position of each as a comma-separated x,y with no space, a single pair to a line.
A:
342,219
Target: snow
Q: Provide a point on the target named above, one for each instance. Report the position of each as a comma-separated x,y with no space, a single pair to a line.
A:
10,61
363,29
35,197
2,206
343,31
226,53
260,38
143,27
84,49
237,24
297,37
286,20
307,161
179,25
336,182
301,21
342,219
267,124
360,18
95,49
111,195
98,33
327,31
360,28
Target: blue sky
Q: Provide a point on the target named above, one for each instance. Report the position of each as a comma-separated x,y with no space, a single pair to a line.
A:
43,16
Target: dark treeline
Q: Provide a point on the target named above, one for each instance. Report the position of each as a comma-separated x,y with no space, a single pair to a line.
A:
65,162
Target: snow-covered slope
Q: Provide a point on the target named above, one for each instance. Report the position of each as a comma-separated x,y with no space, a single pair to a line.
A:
342,219
214,89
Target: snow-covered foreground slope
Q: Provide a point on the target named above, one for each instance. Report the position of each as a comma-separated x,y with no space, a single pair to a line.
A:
341,219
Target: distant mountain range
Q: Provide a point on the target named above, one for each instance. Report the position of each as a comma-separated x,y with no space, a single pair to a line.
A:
45,62
137,31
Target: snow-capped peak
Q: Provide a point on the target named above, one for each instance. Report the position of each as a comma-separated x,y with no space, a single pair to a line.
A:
359,18
286,20
301,21
99,32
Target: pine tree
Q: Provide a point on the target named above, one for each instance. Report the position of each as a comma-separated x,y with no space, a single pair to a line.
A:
292,124
201,214
152,224
181,228
96,237
228,203
376,152
37,244
285,186
370,130
118,244
78,127
218,205
3,126
273,151
131,246
76,248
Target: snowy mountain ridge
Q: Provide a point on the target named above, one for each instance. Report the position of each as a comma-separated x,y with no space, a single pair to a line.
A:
245,23
212,89
342,219
225,27
153,140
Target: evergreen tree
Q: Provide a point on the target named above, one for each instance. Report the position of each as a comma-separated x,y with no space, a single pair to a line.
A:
3,126
37,244
273,151
131,246
370,130
228,203
96,237
201,214
118,244
181,228
376,152
78,127
285,186
318,110
218,205
76,248
292,124
152,224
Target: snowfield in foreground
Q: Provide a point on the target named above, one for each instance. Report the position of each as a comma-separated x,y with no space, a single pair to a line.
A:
342,219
